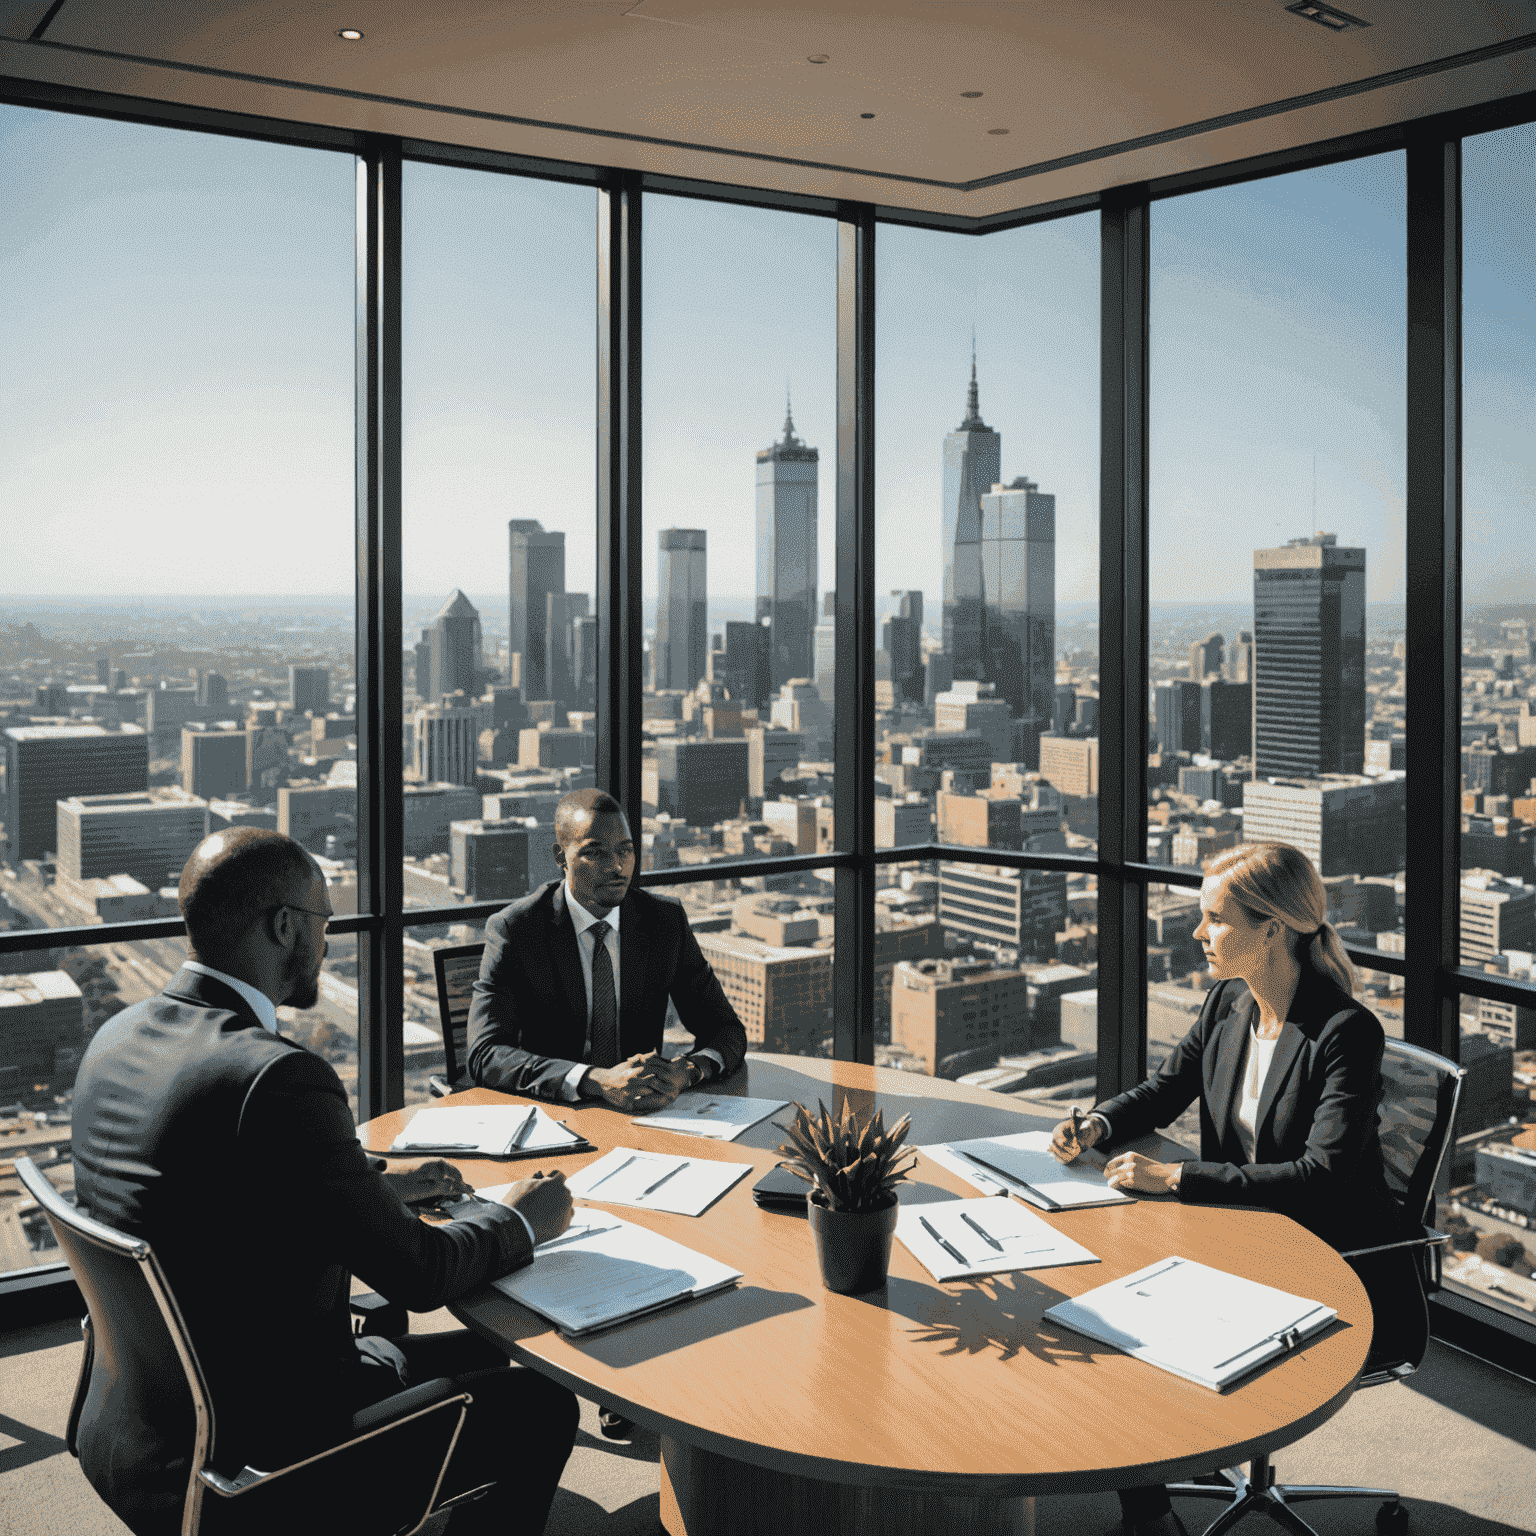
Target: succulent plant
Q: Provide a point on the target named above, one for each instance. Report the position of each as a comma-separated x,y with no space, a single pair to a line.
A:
852,1164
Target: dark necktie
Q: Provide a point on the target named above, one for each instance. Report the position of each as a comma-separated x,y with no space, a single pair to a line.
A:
605,1005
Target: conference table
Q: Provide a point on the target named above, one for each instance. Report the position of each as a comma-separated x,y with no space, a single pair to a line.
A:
919,1407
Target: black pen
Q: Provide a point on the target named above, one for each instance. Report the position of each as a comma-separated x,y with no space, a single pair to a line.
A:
663,1179
944,1243
980,1230
1013,1180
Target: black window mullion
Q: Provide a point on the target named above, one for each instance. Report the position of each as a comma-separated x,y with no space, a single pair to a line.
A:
1433,632
853,956
619,594
1123,430
380,703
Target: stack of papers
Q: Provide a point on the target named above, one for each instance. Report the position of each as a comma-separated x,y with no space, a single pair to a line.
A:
656,1182
956,1239
719,1116
1023,1166
603,1271
1197,1322
485,1130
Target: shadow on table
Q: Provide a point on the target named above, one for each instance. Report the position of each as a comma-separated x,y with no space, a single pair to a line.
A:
1000,1312
677,1327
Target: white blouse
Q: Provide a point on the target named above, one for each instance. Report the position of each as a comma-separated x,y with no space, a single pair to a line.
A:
1255,1069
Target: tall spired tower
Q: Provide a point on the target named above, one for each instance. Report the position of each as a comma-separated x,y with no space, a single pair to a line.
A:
972,466
786,554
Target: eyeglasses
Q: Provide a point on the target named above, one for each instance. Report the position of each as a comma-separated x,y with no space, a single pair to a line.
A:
295,907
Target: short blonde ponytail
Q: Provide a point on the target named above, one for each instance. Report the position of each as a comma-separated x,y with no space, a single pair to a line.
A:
1276,880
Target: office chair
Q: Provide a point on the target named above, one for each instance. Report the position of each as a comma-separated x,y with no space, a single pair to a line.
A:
456,970
1418,1110
386,1477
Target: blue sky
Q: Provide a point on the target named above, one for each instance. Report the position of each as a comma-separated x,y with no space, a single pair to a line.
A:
179,355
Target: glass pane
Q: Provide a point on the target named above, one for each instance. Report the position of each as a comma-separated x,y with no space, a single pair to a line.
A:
1493,1173
953,1001
205,453
1277,560
1488,1196
499,550
739,551
52,1003
987,407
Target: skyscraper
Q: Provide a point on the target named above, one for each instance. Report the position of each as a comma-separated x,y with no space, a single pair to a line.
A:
901,638
309,689
455,649
786,554
1018,588
446,741
682,612
1308,659
536,567
48,763
972,466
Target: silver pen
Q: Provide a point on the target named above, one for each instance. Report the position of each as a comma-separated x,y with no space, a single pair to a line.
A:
663,1179
524,1128
620,1169
1013,1181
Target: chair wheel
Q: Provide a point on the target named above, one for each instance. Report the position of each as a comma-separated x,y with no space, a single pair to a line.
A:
1392,1519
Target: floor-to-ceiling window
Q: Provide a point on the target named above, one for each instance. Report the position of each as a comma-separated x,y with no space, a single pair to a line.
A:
176,569
1492,1174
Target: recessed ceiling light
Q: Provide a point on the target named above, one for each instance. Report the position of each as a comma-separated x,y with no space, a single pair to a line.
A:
1325,15
997,132
350,35
970,95
815,58
866,114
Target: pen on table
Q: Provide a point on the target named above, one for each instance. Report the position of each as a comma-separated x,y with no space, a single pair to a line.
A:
663,1179
943,1242
622,1166
442,1146
525,1127
980,1230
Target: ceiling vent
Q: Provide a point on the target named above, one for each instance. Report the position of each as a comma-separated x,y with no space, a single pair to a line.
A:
1326,16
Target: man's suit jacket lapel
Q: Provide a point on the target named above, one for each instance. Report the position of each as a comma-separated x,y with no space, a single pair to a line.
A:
1227,1052
634,948
568,963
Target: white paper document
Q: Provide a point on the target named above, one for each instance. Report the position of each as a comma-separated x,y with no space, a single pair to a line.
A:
1022,1165
719,1116
602,1270
655,1181
956,1239
1197,1322
483,1130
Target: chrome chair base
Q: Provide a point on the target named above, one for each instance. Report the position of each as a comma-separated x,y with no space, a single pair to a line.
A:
1256,1491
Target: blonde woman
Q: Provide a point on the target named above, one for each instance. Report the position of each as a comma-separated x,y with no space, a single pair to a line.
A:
1286,1066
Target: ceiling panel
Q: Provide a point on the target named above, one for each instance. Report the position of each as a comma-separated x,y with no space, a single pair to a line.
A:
728,92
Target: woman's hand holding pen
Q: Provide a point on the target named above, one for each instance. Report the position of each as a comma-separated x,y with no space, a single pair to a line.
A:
1073,1137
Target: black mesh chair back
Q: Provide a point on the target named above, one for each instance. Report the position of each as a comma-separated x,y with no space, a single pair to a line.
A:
384,1479
1417,1116
456,969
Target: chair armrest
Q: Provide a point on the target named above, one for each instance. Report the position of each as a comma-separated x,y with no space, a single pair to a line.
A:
376,1315
392,1464
1429,1238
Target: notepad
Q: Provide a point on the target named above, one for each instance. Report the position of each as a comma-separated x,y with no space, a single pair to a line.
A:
603,1271
655,1181
485,1130
957,1239
1203,1324
1022,1165
722,1117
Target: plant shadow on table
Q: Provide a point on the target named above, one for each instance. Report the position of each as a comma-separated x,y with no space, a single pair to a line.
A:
677,1327
1000,1312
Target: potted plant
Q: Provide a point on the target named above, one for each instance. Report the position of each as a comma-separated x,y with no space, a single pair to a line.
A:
853,1169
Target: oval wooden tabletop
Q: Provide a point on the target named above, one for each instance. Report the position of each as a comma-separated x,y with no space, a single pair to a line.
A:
958,1388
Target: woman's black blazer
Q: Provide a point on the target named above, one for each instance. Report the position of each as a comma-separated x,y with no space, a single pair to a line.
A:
1317,1158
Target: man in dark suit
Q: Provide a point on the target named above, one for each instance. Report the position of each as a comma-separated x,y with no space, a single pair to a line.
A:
572,996
233,1151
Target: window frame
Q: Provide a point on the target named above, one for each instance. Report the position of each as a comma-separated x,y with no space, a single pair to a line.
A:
1434,978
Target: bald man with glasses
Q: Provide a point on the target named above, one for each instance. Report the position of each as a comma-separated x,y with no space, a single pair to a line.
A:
234,1152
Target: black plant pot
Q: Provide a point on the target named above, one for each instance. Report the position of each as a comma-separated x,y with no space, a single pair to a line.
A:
852,1247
